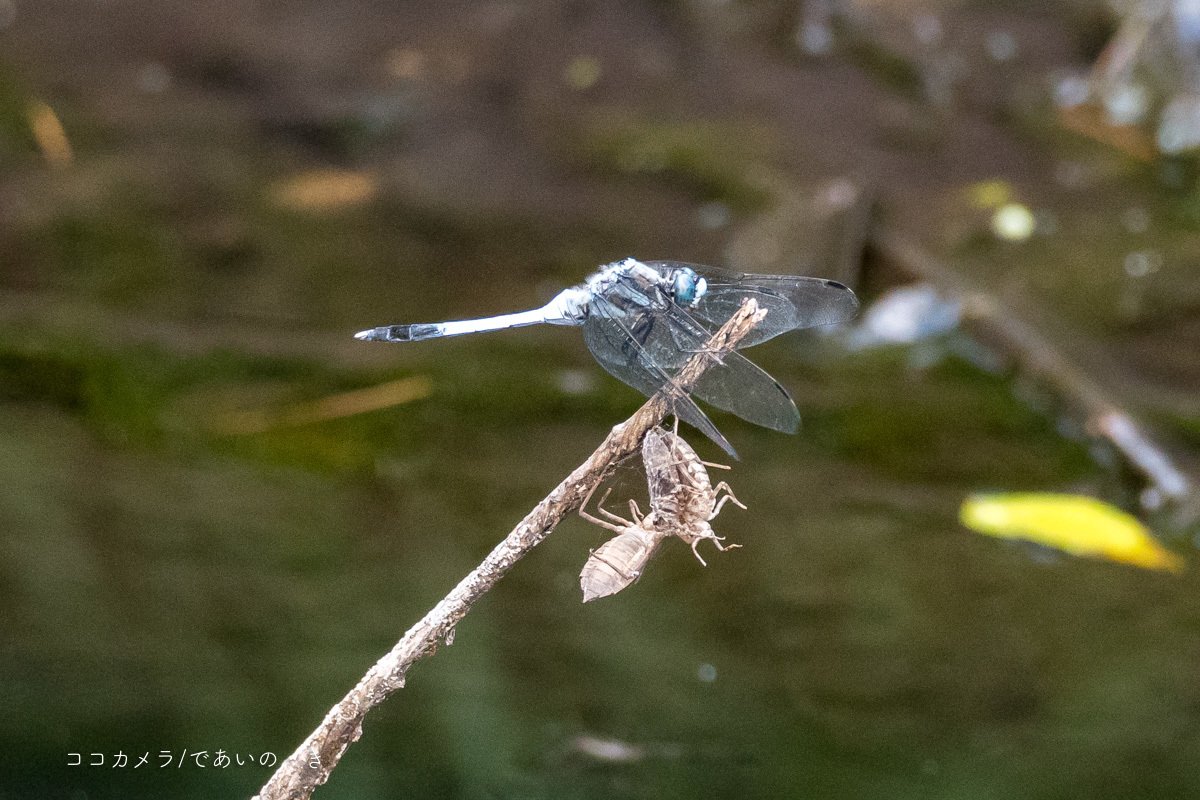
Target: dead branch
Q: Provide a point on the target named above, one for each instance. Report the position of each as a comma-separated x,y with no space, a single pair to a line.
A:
310,765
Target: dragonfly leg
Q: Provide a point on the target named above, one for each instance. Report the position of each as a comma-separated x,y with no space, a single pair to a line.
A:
717,508
608,514
635,512
718,541
596,520
588,499
600,522
695,538
729,495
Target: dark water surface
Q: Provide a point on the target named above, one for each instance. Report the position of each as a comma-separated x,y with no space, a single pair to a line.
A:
204,594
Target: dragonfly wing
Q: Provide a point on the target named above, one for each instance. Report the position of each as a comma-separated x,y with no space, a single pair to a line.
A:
609,333
792,302
743,388
666,338
736,385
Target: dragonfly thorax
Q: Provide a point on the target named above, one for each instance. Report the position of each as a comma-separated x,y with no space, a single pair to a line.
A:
627,269
681,284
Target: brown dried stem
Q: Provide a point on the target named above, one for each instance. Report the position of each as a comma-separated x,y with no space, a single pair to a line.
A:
310,765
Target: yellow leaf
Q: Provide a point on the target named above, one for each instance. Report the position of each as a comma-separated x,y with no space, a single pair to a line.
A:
1081,526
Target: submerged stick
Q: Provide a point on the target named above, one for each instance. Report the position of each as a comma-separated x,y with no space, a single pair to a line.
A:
310,765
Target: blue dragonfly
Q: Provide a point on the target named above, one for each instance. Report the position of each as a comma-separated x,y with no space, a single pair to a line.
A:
643,321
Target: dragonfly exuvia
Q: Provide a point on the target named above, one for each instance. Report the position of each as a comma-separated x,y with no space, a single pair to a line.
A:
644,320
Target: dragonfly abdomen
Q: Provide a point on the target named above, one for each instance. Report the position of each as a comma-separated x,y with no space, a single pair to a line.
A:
401,333
619,562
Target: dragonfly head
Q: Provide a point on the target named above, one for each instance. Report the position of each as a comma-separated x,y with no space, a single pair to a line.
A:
688,287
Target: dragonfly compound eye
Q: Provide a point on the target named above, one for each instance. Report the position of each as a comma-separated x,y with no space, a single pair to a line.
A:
687,287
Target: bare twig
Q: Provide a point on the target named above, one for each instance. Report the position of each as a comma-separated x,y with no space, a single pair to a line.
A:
310,765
